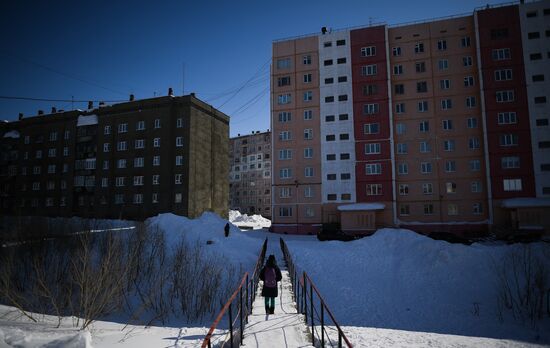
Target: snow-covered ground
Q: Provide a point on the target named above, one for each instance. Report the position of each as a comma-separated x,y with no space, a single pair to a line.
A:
395,288
252,221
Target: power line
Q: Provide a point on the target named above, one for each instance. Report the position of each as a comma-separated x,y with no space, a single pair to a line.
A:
59,100
247,82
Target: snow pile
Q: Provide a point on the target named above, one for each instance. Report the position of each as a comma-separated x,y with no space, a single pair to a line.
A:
86,120
12,134
397,279
254,221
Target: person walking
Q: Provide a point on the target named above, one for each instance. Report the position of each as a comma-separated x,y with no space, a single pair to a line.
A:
226,230
270,274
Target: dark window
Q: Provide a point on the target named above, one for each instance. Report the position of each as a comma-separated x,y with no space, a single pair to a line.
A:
420,67
370,89
329,80
331,157
283,81
344,156
340,42
538,78
398,37
329,99
546,190
341,60
546,11
331,176
327,62
343,117
544,144
499,33
422,87
343,97
331,197
547,33
545,167
533,35
329,118
344,136
399,89
535,56
531,14
345,176
342,78
541,122
540,100
328,44
331,137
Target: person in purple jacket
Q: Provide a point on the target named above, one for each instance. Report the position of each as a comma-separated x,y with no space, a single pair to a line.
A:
270,274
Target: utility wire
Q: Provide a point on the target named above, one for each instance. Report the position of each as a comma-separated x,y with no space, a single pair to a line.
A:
247,82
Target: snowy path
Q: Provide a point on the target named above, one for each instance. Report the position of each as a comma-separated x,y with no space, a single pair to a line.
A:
285,328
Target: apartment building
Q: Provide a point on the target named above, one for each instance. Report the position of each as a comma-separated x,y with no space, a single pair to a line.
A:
438,125
250,173
130,160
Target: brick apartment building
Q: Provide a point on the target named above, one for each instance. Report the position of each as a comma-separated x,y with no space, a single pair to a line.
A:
250,173
130,160
439,125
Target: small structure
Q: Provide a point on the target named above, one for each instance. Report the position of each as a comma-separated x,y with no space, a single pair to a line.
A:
359,218
528,214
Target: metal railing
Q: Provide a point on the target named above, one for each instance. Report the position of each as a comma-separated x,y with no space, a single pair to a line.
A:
312,305
241,300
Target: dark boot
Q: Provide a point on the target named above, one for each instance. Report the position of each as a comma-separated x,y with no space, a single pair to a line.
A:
272,310
267,310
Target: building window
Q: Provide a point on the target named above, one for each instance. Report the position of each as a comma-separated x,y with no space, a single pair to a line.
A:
368,51
424,126
503,75
422,106
447,124
403,169
468,81
425,147
107,130
465,41
310,212
403,189
285,116
427,189
533,35
400,128
52,152
471,102
345,176
422,87
399,88
306,60
371,128
402,148
308,152
542,122
400,108
155,198
475,165
284,99
138,180
442,45
329,118
343,97
372,148
329,99
420,67
509,162
177,179
446,104
428,209
374,189
329,80
467,61
308,78
38,154
373,169
396,51
285,154
285,135
179,141
369,70
308,172
178,198
512,184
156,160
121,163
156,142
425,167
119,181
140,125
500,33
285,192
330,137
404,209
123,128
398,69
344,136
122,146
452,209
472,122
283,63
308,96
538,78
285,173
179,160
369,109
443,64
535,56
344,156
308,114
283,81
475,186
419,47
328,62
507,117
450,166
508,140
341,60
445,84
477,209
179,122
285,211
501,54
139,143
540,100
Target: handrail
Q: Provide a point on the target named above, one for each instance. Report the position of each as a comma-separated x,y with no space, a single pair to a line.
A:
249,286
301,294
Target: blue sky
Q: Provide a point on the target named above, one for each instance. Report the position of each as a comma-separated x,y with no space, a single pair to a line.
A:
105,50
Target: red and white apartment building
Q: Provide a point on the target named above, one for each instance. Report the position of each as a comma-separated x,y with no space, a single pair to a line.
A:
438,125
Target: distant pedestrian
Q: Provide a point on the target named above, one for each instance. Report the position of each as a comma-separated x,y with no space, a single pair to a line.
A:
270,274
226,229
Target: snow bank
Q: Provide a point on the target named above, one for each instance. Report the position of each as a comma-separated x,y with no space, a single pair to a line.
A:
86,120
398,279
255,221
12,134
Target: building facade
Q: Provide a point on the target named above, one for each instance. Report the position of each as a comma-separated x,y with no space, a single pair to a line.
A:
250,173
130,160
440,125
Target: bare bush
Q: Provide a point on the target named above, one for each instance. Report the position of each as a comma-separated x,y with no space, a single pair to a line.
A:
523,278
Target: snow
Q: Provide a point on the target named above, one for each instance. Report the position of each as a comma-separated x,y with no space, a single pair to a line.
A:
361,207
525,202
12,134
243,220
86,120
394,288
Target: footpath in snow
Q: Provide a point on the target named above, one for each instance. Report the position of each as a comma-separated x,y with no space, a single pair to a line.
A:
285,328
